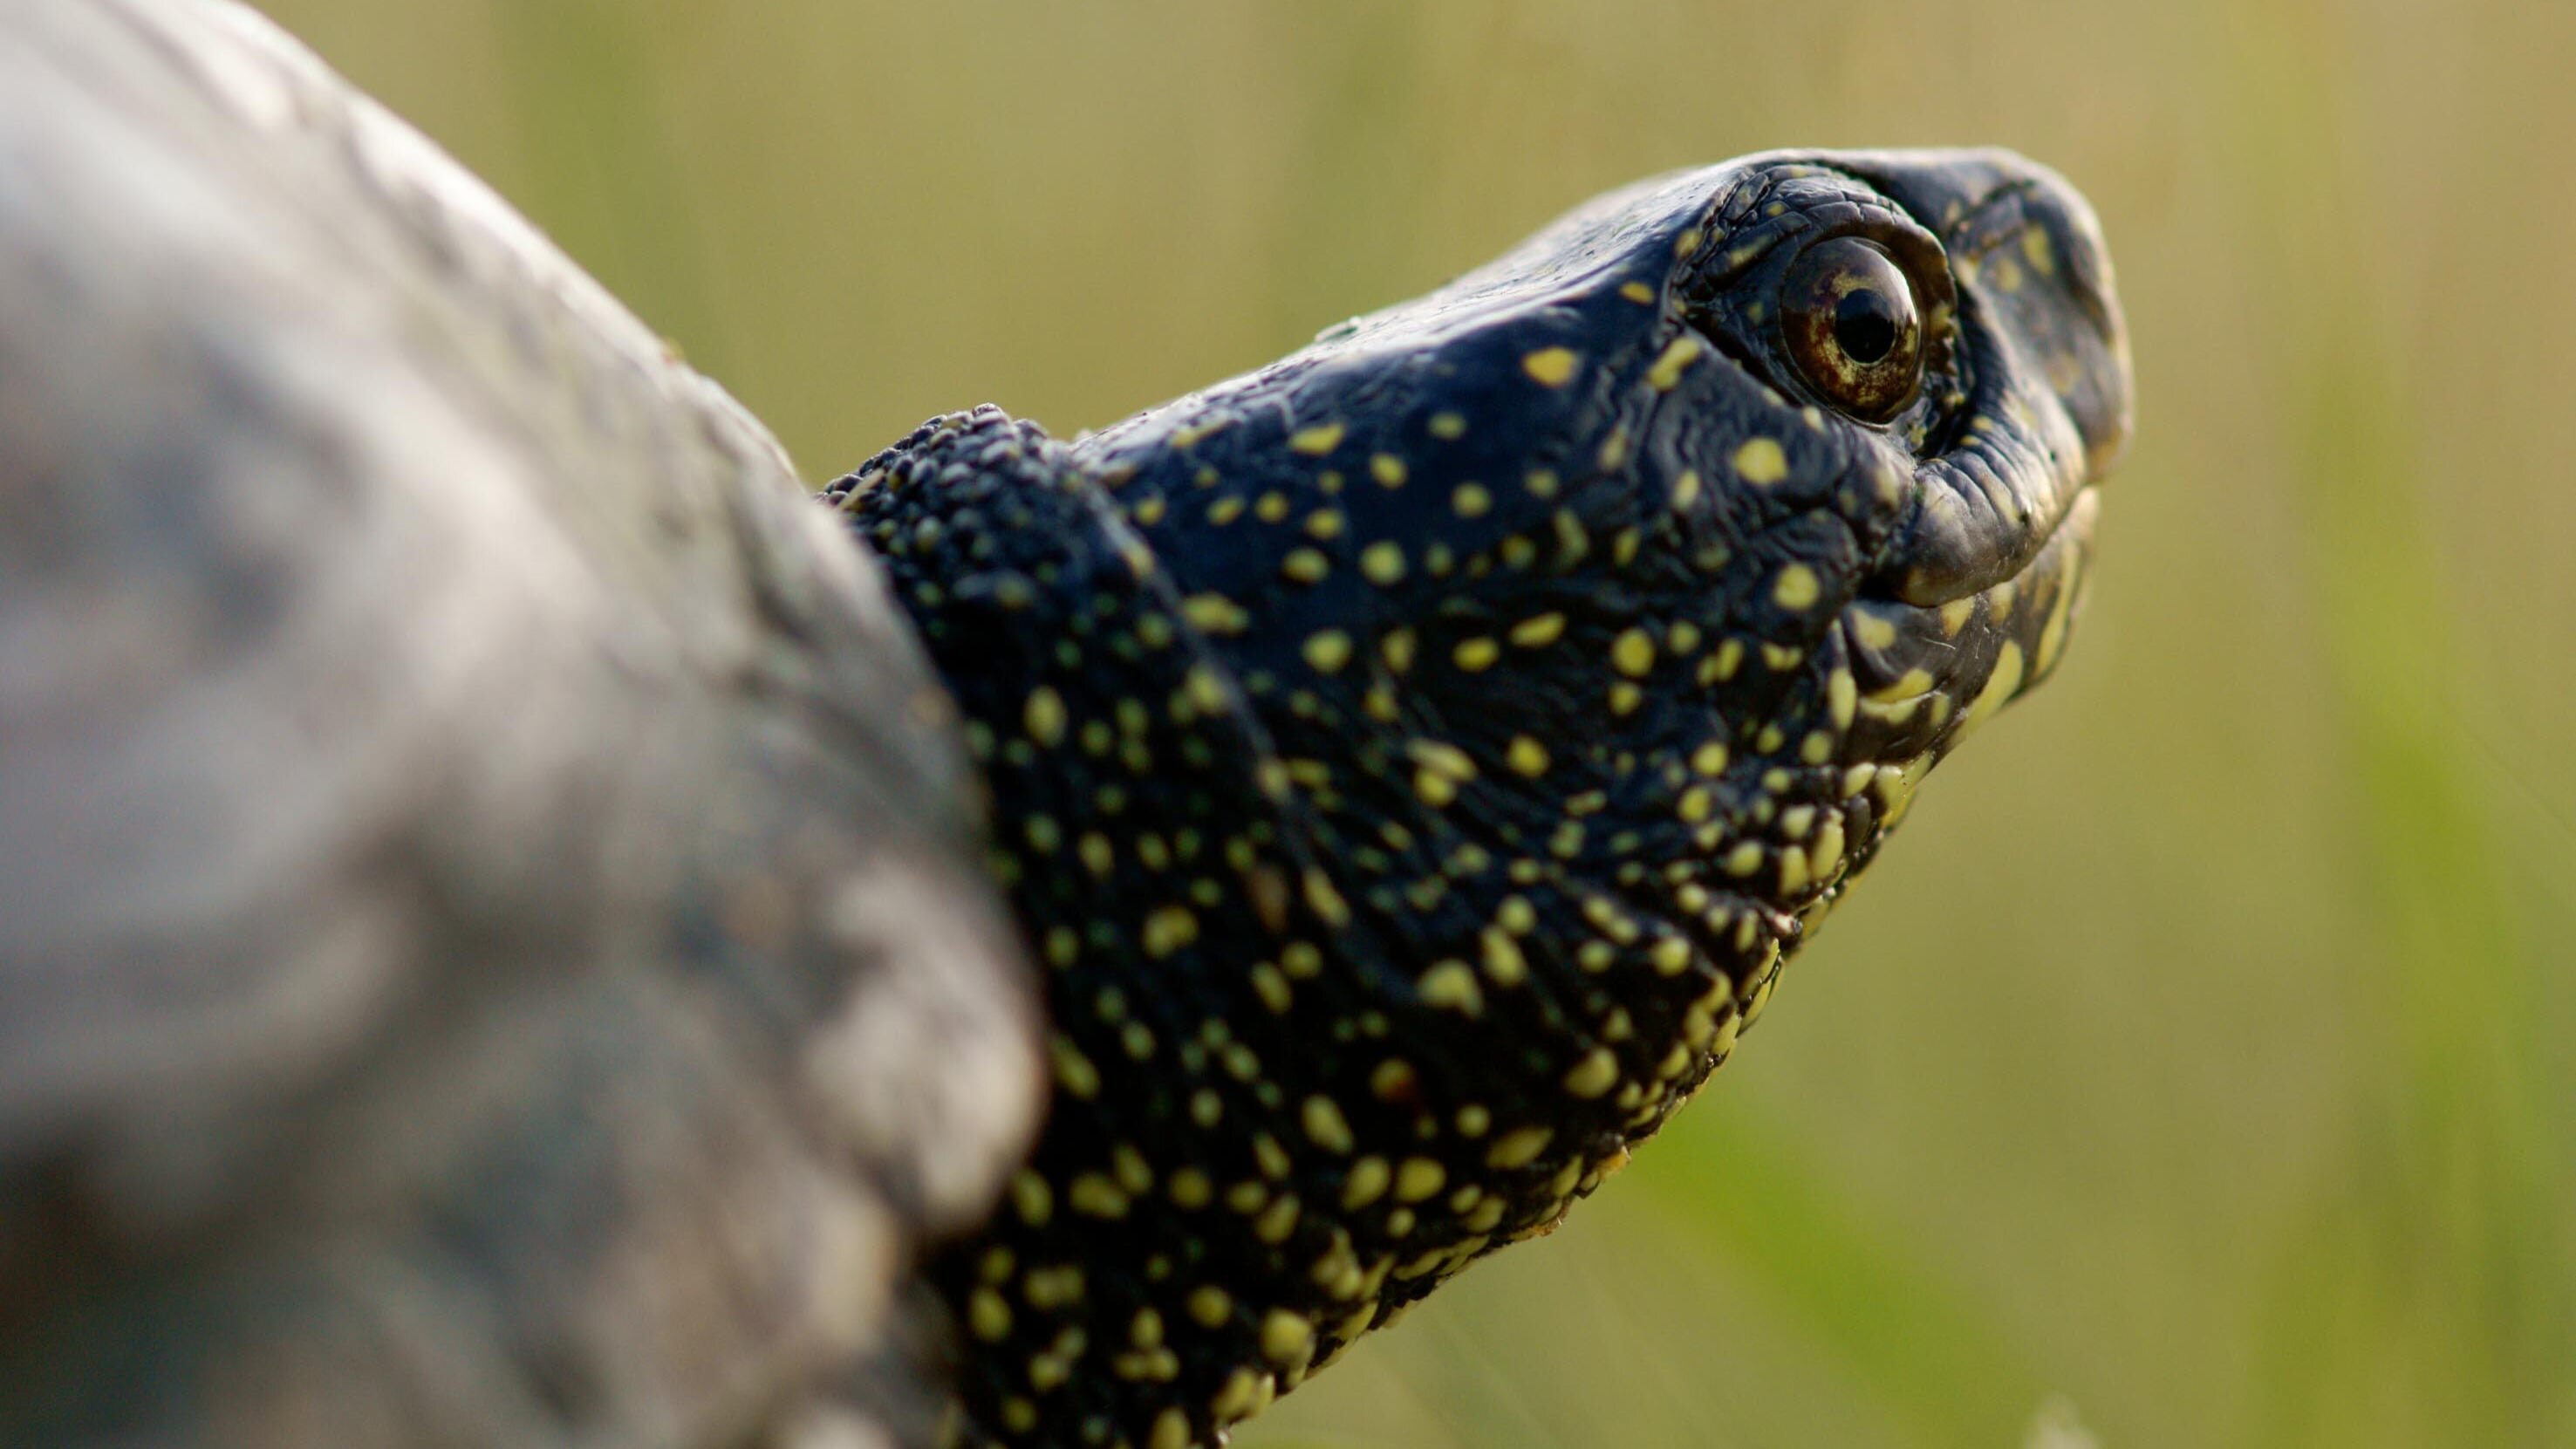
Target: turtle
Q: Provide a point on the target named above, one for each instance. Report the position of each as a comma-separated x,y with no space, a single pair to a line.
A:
524,924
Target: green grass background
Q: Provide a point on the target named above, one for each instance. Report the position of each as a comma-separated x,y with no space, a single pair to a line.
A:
2204,1055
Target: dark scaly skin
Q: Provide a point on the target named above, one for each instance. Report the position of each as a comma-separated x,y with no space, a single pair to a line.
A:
1414,761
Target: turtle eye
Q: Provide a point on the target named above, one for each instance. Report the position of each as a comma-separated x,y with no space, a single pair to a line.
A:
1854,328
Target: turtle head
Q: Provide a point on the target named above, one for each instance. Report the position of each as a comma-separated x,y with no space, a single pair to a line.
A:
1414,759
1632,582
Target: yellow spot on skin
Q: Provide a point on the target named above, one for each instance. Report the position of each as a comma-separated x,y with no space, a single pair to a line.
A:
1171,1431
1210,1306
1550,366
1397,650
1669,956
1316,441
1287,1338
1761,463
1271,507
1388,469
1999,687
1032,1199
1382,563
1419,1178
1442,758
1366,1183
1448,426
1797,587
1328,650
1696,805
1503,959
1189,1188
1240,1396
1019,1415
1214,614
1744,859
1519,1147
1043,716
1278,1222
1538,630
1095,1196
1325,1125
988,1315
1471,500
1666,374
1476,655
1324,523
1709,759
1614,448
1871,631
1633,654
1326,902
1169,929
1305,565
1597,1073
1637,292
1686,489
2034,246
1074,1071
1527,756
1451,986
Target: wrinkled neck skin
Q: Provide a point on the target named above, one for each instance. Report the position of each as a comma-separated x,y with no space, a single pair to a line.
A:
1413,762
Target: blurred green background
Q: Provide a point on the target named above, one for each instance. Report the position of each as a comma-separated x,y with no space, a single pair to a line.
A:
2204,1057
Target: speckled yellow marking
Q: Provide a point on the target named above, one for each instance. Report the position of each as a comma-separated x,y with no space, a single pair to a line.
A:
1538,631
1637,292
1551,366
1169,929
1043,716
1633,654
1519,1147
1387,469
1171,1431
1452,986
1286,1338
1448,427
1596,1074
1503,961
1476,655
1316,441
1471,500
1686,489
1328,650
1761,463
2000,686
1325,1125
1382,563
988,1315
1797,588
1666,374
1305,566
1526,756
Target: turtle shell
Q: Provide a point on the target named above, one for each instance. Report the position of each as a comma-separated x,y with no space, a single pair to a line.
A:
492,947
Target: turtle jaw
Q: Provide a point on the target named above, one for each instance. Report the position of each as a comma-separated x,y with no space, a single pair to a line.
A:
1926,675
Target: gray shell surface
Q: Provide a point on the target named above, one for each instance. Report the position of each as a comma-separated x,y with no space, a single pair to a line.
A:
491,946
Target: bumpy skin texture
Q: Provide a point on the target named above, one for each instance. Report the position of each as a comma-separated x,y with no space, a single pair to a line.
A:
1413,761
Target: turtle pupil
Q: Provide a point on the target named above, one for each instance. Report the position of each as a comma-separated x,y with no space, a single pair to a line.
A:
1866,325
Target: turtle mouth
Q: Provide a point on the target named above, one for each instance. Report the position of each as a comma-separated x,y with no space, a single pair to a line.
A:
1925,675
